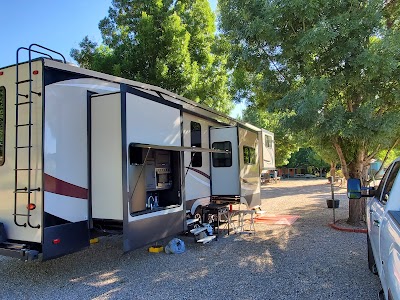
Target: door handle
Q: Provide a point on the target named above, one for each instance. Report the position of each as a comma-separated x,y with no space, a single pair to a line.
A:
376,223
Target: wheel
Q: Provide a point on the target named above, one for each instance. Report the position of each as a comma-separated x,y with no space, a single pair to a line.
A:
371,260
198,214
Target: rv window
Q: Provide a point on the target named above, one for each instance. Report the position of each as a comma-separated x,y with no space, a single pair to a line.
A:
268,141
2,123
249,155
222,159
195,140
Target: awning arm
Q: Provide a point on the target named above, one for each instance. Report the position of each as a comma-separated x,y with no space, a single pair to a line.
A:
179,148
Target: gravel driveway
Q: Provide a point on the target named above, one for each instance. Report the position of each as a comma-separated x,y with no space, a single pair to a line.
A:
307,260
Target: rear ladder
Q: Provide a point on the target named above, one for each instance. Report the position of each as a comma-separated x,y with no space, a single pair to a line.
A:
27,190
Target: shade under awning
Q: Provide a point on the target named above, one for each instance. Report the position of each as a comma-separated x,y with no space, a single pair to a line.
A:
178,148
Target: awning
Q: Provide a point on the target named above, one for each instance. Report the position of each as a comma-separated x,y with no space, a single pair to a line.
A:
178,148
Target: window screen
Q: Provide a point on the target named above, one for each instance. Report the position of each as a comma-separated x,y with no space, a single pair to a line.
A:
195,141
249,155
222,159
2,123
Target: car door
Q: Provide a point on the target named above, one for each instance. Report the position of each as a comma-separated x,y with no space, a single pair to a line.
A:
377,209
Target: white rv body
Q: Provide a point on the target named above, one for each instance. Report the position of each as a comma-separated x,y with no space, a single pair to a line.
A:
106,149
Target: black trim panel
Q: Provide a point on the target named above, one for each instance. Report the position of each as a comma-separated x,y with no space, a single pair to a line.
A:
56,75
149,230
131,90
72,238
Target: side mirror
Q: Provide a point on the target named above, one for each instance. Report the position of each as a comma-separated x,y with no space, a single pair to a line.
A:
354,188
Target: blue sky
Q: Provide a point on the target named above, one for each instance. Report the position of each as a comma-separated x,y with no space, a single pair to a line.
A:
58,25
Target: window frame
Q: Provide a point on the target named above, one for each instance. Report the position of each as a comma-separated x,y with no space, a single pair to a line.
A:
227,157
196,158
3,124
250,158
267,141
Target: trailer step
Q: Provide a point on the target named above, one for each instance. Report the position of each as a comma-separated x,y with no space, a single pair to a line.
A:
207,239
197,230
192,221
18,251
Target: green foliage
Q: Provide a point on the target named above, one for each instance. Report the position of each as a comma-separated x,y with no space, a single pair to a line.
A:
307,158
171,44
331,67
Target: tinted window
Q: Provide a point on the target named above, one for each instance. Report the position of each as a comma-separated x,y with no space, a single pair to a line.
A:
249,155
2,123
268,141
389,183
195,141
222,159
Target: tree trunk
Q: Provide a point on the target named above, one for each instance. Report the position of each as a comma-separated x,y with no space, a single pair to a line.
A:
355,169
357,206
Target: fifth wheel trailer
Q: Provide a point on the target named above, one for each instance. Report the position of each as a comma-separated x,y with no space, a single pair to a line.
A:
81,149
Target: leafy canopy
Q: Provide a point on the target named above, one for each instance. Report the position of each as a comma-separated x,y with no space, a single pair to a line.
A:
332,68
167,43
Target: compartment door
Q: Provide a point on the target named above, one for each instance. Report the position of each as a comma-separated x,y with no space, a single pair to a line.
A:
225,166
151,120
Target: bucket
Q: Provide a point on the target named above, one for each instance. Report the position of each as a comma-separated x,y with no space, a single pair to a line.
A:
329,203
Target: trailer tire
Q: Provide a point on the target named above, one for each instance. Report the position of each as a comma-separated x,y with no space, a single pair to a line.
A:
198,214
371,260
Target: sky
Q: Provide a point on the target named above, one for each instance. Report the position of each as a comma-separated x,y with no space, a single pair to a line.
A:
55,24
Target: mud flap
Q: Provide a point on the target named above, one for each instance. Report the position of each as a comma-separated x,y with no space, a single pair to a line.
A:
3,235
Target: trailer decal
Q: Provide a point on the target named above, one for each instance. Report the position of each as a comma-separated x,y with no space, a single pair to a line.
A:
60,187
199,172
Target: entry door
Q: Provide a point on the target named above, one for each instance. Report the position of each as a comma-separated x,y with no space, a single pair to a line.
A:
225,166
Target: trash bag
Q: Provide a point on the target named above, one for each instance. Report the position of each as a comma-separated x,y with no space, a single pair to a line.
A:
209,229
175,246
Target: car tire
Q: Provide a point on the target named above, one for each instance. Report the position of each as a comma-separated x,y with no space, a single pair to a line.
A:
371,260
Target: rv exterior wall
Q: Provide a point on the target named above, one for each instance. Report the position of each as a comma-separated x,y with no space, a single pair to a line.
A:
197,179
106,157
249,166
267,150
7,80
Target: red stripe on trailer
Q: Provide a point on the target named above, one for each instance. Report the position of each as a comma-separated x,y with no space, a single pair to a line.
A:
60,187
199,172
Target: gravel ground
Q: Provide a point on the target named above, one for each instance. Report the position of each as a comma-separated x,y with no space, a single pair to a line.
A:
307,260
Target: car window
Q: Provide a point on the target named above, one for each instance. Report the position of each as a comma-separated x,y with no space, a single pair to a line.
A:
387,183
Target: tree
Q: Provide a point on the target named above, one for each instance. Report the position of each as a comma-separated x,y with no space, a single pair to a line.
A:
167,43
331,66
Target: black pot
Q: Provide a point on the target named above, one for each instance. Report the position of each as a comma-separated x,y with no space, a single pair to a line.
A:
329,202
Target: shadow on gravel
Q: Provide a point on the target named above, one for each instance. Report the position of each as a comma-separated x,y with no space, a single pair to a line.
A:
307,260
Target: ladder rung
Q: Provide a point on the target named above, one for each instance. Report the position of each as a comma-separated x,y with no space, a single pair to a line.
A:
26,96
23,81
22,169
35,190
37,93
23,189
23,103
23,215
21,147
23,125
